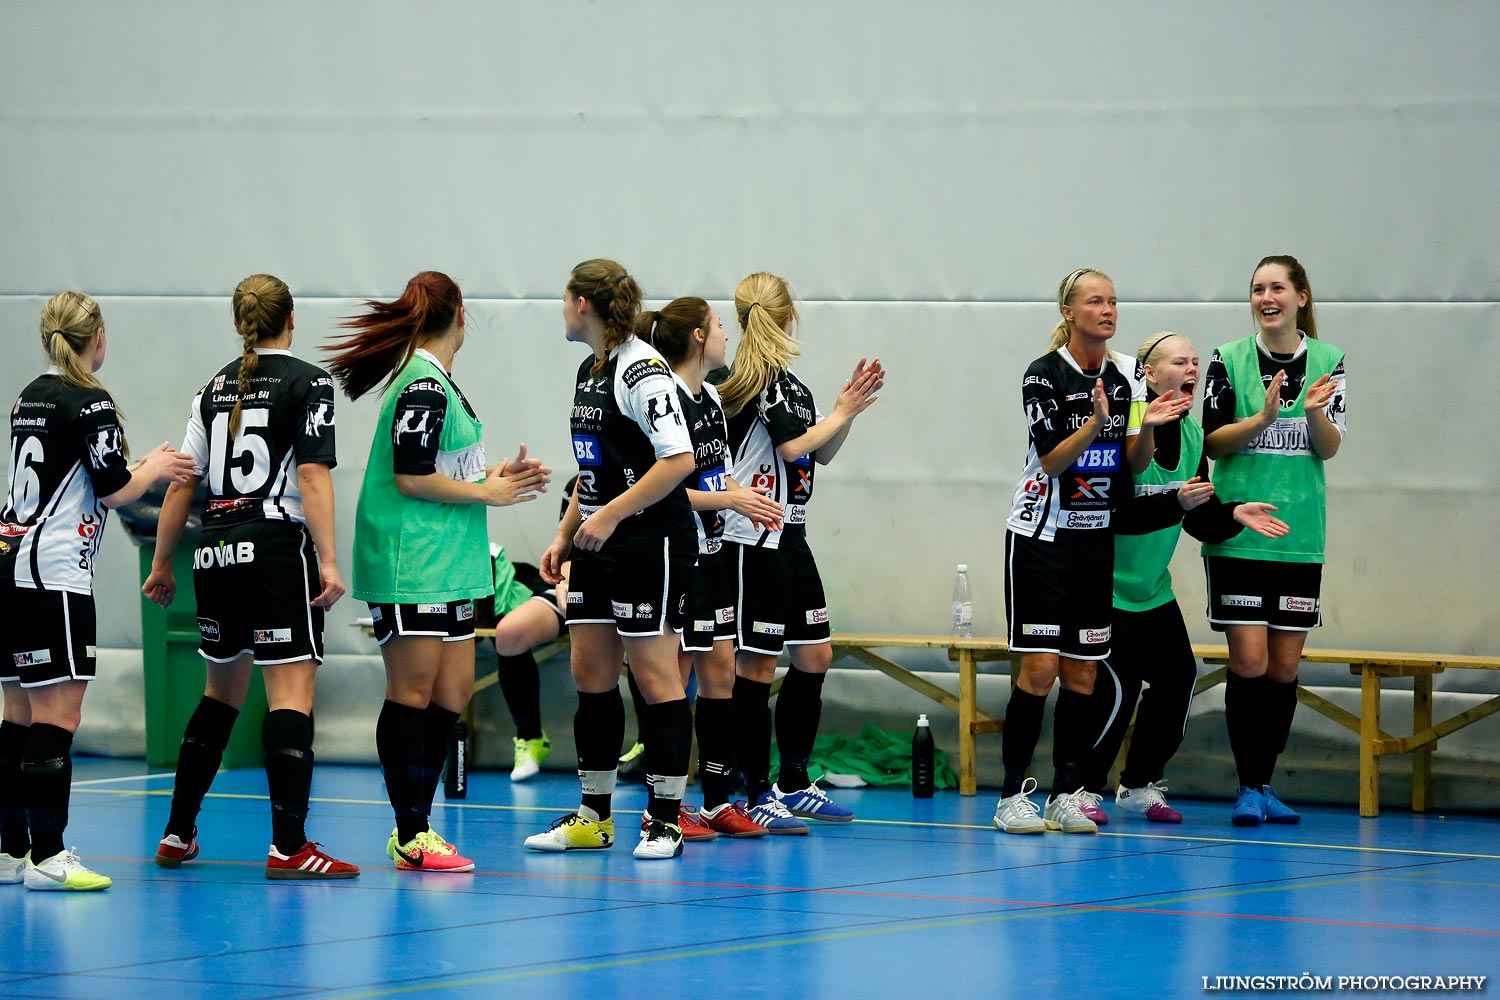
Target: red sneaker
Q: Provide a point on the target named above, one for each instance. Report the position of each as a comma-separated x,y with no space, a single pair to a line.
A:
732,819
427,852
687,819
309,862
171,852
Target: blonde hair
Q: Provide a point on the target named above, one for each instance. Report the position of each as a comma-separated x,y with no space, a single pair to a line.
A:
1065,297
262,304
615,296
69,323
1149,346
764,305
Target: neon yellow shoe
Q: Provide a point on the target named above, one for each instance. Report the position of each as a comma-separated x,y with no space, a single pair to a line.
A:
574,833
529,757
65,872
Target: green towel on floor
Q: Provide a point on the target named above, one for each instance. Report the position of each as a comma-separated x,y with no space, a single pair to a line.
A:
881,757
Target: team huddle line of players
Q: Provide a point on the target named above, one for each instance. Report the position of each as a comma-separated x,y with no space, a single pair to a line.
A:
682,549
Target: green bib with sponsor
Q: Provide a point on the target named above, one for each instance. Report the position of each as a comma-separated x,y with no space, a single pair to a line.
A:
408,550
1142,579
510,593
1278,465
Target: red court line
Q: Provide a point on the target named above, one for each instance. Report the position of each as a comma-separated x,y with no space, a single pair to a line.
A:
1036,904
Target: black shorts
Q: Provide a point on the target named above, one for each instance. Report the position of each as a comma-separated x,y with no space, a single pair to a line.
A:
638,585
255,583
452,621
1059,595
780,599
530,577
50,636
1286,596
710,603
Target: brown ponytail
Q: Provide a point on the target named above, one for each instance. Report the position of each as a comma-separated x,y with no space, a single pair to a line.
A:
670,329
389,333
615,297
1307,319
262,305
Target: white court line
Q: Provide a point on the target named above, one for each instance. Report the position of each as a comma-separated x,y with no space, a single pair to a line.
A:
128,777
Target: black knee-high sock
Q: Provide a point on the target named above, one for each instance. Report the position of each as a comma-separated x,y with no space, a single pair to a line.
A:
15,835
47,779
437,733
668,737
287,738
1245,718
1023,727
521,683
1281,707
598,731
198,760
1109,711
714,718
752,735
799,709
1070,741
399,744
638,703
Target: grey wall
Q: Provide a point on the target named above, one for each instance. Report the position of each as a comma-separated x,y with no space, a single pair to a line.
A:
925,176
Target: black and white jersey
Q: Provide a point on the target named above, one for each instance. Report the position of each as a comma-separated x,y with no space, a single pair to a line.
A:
287,420
1058,399
1219,397
710,436
66,451
783,412
417,430
624,419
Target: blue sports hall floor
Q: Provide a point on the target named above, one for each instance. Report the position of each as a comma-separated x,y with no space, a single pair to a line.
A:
913,899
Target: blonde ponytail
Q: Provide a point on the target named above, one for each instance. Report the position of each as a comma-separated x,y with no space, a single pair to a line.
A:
764,306
70,321
1060,332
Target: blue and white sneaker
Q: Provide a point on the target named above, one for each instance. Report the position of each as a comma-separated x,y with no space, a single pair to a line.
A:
1249,807
811,803
1277,811
771,814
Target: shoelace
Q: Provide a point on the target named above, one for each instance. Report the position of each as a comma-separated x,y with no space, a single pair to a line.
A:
1073,802
1090,799
1024,804
1154,793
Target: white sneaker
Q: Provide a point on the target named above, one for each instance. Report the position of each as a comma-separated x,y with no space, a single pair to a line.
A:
1018,814
13,870
529,757
64,871
659,841
1065,813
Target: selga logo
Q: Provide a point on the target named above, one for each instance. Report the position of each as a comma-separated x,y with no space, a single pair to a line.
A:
224,554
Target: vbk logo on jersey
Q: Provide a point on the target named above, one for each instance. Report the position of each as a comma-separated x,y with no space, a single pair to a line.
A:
1098,457
586,450
713,480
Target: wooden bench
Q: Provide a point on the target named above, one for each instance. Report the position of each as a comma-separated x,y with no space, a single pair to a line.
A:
1372,668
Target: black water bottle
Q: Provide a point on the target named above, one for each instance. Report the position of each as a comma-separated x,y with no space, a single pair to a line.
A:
921,760
456,774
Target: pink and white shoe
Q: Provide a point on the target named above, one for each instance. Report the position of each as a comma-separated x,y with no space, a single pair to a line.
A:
1088,804
1149,802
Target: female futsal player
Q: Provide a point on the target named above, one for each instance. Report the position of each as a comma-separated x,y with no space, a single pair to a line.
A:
67,470
420,541
264,571
778,438
1273,414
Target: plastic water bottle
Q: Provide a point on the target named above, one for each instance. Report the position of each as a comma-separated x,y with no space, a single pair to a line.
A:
963,604
456,774
921,760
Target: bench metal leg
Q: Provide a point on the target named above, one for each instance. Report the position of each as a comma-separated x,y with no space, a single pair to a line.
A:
1369,732
968,697
1421,722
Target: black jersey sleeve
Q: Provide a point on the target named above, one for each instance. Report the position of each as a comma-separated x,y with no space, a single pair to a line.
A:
102,442
1218,396
315,442
777,410
1041,398
1143,514
417,427
1213,521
